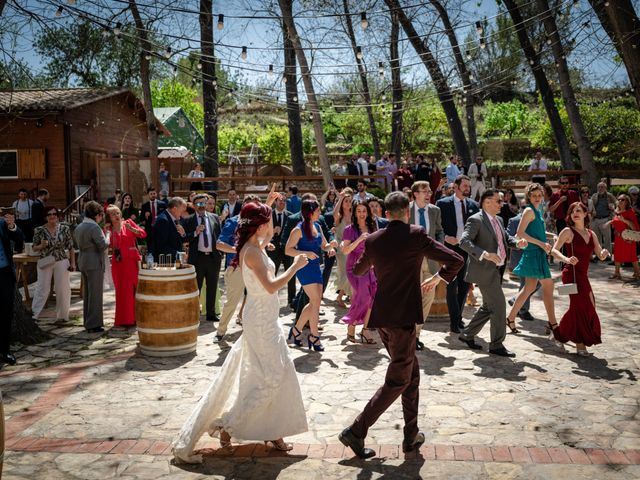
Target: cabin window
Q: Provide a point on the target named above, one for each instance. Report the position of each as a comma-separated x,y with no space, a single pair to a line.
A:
8,164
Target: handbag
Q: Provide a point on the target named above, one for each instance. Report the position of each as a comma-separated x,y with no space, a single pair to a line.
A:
46,262
569,288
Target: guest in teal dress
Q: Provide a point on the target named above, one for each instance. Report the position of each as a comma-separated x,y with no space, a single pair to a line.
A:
533,266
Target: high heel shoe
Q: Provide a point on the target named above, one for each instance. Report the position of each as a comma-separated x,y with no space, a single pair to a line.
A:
365,339
551,329
316,345
513,329
294,334
279,445
225,439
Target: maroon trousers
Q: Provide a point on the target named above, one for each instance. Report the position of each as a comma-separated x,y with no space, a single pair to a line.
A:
402,379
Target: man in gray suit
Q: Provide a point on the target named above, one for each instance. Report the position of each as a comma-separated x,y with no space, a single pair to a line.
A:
486,242
423,214
92,244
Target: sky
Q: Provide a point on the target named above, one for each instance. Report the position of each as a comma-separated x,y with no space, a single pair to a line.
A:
249,23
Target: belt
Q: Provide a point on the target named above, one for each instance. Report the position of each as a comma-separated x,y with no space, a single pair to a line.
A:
205,253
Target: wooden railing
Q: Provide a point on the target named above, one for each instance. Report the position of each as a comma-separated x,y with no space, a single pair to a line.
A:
72,212
180,185
552,175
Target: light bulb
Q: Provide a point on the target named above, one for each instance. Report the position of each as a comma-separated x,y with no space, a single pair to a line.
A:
479,28
199,66
359,53
271,70
59,11
220,22
116,29
243,55
468,54
167,54
364,23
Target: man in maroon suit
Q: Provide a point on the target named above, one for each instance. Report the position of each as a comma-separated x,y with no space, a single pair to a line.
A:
396,254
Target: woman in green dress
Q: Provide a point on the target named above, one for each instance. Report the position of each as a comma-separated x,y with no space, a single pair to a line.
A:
533,265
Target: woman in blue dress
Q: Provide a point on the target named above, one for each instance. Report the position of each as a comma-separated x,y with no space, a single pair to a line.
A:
533,265
307,238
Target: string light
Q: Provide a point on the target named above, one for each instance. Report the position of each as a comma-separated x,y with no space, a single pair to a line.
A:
381,69
359,53
243,55
147,56
199,66
220,21
117,29
167,54
479,28
364,23
468,54
271,70
59,11
483,45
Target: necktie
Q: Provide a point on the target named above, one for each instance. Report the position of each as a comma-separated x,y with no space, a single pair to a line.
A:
464,211
280,220
423,221
498,231
153,211
205,235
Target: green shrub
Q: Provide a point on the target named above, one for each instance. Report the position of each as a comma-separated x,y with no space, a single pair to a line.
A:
273,143
508,119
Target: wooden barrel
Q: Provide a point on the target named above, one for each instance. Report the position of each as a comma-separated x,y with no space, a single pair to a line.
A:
168,311
439,306
1,433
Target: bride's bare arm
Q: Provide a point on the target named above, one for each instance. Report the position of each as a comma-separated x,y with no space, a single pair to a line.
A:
253,259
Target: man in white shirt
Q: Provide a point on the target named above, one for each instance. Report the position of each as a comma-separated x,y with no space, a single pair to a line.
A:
381,168
363,165
23,206
452,171
478,175
538,164
362,195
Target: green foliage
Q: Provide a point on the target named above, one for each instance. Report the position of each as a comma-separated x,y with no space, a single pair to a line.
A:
508,119
273,143
611,129
240,136
175,94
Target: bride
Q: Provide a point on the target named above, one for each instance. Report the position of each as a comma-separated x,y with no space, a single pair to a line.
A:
256,396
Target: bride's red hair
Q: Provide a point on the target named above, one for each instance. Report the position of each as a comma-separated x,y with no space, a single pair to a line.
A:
252,215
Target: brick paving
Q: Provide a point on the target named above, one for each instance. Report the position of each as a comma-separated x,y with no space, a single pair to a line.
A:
111,413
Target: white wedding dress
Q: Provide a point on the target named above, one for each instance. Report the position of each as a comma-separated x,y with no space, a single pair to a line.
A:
256,395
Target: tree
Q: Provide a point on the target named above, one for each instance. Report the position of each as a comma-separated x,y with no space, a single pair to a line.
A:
209,87
620,21
80,53
439,81
294,122
144,55
542,84
174,94
366,95
570,102
397,103
287,16
463,71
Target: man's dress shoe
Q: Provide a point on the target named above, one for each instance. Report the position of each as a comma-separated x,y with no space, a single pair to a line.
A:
503,352
470,343
356,444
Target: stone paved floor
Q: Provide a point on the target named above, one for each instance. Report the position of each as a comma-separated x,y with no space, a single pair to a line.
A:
90,406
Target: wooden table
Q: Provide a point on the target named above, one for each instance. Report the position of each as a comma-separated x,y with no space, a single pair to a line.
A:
21,261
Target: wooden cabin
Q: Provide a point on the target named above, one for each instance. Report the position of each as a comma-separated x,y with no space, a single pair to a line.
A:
71,140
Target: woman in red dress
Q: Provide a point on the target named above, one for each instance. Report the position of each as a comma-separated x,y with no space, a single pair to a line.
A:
124,264
624,250
580,324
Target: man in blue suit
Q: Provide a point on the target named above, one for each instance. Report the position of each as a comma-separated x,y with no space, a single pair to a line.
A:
168,233
8,232
456,209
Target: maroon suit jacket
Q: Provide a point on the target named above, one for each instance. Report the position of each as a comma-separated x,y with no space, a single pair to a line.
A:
396,255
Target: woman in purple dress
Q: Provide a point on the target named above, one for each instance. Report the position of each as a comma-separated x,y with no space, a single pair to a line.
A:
364,287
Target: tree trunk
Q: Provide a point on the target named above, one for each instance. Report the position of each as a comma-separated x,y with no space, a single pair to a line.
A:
293,106
621,23
397,109
366,95
570,103
2,4
209,91
542,83
463,71
439,81
24,328
145,78
314,107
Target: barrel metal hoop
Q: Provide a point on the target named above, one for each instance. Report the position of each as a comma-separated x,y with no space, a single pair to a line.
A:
184,296
149,278
169,330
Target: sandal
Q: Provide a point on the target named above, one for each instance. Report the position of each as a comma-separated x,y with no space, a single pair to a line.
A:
551,328
351,338
341,303
279,445
365,339
513,329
